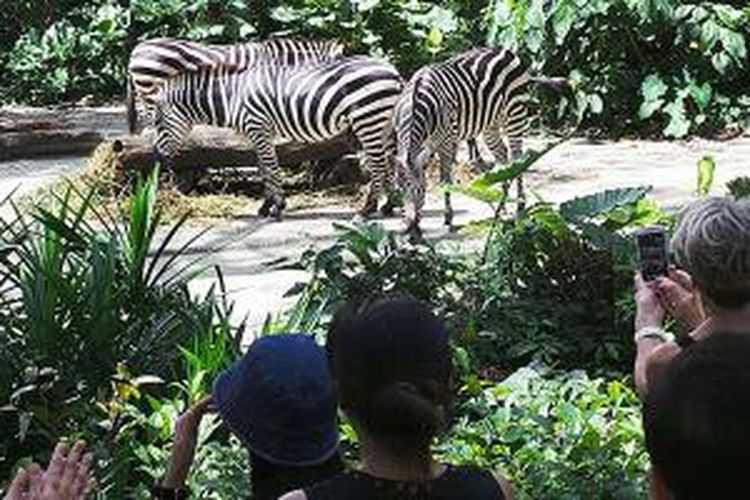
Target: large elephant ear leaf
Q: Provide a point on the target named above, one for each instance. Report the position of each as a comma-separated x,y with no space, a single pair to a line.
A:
593,205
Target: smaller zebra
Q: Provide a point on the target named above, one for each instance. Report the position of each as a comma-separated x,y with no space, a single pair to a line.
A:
308,104
154,61
483,91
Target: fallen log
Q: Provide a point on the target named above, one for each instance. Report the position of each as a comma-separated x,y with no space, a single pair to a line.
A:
34,132
209,147
40,142
214,148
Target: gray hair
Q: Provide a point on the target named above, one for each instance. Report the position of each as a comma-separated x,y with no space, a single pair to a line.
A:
712,242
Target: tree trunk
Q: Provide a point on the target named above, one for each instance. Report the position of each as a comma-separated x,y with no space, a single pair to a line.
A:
331,162
216,148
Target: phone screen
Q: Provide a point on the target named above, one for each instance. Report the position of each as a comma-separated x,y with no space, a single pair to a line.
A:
652,252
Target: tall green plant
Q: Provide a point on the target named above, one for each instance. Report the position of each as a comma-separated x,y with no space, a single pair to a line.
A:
84,291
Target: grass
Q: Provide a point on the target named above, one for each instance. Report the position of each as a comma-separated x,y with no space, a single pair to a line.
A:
216,199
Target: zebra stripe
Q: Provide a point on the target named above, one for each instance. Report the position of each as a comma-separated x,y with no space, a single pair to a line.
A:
308,103
154,61
483,91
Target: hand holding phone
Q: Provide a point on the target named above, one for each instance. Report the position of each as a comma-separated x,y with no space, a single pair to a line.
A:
651,244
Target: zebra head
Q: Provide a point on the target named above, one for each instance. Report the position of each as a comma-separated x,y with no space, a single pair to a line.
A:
412,153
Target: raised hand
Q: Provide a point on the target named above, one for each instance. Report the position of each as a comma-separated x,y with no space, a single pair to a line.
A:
183,446
68,477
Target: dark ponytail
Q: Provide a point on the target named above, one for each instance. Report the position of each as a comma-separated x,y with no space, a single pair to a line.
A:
392,364
404,412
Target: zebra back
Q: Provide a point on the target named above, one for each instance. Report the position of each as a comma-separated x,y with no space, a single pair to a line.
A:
154,61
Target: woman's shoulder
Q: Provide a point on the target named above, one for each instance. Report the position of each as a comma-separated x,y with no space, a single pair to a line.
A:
457,482
478,482
294,495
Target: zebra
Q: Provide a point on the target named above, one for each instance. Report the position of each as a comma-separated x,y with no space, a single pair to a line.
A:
309,103
154,61
482,91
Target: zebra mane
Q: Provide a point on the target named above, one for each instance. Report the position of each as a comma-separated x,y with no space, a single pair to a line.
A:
291,52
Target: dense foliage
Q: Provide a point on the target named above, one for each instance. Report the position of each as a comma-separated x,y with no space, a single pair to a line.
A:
96,320
668,67
94,305
549,285
557,436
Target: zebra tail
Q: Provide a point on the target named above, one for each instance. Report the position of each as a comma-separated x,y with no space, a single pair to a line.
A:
130,105
558,84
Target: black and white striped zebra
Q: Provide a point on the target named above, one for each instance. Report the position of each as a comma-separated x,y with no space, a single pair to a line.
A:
483,91
308,103
154,61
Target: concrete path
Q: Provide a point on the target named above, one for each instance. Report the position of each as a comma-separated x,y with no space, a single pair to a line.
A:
244,247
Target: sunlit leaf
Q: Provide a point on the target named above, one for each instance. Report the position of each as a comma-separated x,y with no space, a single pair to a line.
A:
706,168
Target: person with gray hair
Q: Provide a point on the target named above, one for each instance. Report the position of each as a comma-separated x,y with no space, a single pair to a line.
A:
709,292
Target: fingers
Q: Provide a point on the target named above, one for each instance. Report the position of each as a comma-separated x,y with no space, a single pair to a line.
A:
672,292
71,469
82,483
20,485
36,481
205,405
188,422
682,278
57,463
638,281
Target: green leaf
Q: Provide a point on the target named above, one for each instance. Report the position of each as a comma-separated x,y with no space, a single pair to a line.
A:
734,45
596,104
481,193
679,124
706,168
593,205
653,87
562,20
739,187
648,108
721,61
701,94
365,5
709,34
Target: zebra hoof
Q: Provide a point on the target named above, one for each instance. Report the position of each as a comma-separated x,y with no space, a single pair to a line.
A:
276,212
272,207
265,208
368,210
388,209
414,233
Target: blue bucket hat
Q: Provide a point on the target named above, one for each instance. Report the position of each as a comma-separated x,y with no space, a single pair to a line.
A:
278,399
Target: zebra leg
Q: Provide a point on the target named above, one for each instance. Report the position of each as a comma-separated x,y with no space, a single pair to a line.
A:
413,182
446,149
274,202
516,147
447,153
377,163
477,163
392,200
496,143
171,128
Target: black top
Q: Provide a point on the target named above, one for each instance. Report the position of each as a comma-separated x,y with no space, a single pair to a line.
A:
684,341
456,483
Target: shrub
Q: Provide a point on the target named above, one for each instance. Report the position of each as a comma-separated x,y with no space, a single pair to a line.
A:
552,284
664,66
739,187
557,436
87,297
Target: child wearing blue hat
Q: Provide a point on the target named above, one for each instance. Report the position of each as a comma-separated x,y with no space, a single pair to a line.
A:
278,399
392,365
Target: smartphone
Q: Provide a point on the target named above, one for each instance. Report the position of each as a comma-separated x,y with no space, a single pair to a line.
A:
651,244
